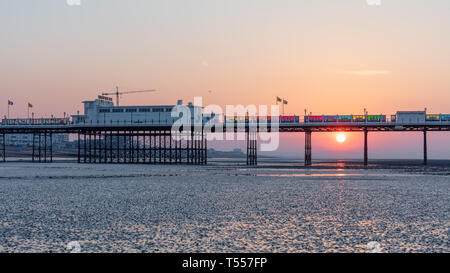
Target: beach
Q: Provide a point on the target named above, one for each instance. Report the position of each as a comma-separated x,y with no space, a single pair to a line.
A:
225,207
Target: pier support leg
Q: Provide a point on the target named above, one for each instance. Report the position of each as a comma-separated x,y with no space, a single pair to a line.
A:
132,135
248,149
94,134
51,147
33,153
308,148
138,152
100,146
125,147
111,147
39,146
85,147
366,149
3,147
123,153
105,147
160,146
189,147
145,146
164,146
90,147
425,148
118,147
204,153
206,149
196,138
45,146
171,147
152,147
79,147
252,141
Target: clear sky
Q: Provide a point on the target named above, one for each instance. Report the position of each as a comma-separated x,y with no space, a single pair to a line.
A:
326,56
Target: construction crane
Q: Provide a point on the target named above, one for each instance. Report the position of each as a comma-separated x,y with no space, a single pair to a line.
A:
118,94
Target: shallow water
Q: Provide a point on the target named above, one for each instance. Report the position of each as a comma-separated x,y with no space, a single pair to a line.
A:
224,207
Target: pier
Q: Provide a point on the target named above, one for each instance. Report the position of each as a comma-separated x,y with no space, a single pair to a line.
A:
158,144
108,133
141,146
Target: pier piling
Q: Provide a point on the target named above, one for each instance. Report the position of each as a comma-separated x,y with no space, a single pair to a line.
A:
252,148
425,148
3,144
43,153
366,148
33,145
78,147
308,148
141,147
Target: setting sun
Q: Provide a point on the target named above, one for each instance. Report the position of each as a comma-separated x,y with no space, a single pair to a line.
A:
341,138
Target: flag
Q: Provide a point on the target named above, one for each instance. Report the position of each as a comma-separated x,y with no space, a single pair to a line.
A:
285,102
30,105
279,99
10,102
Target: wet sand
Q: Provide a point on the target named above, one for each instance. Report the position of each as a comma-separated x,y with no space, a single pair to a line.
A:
333,207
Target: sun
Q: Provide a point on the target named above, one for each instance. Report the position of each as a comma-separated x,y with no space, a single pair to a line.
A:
341,138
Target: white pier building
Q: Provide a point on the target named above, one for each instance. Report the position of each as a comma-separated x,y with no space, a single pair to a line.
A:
103,111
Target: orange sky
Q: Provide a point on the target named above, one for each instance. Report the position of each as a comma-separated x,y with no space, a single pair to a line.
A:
329,57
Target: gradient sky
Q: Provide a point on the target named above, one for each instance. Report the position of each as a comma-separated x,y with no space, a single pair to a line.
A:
326,56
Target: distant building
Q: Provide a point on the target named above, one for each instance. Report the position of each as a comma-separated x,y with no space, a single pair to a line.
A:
103,111
236,153
26,140
411,116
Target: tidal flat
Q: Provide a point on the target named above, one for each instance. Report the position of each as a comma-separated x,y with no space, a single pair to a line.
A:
225,207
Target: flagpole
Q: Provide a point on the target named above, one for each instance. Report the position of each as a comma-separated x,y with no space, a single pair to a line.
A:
8,109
